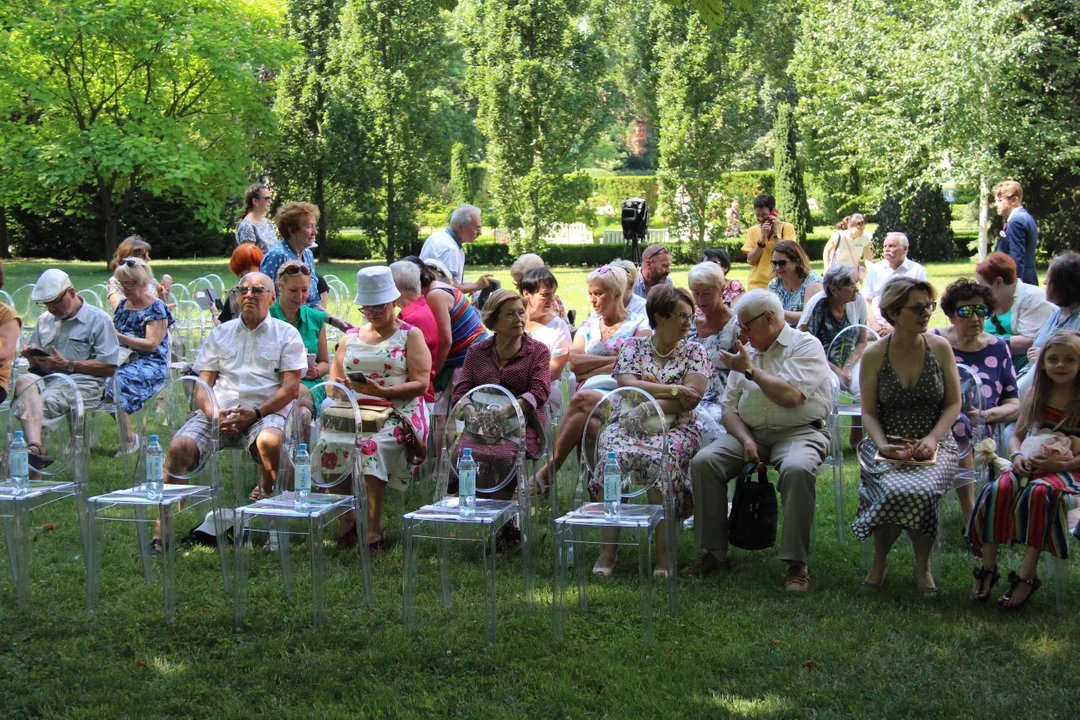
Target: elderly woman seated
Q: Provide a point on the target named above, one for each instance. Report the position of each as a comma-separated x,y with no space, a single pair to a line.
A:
714,328
635,304
676,373
829,313
520,364
967,304
532,261
732,288
291,306
592,358
538,290
795,283
386,363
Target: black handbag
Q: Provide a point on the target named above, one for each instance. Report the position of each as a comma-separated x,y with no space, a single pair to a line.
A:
752,523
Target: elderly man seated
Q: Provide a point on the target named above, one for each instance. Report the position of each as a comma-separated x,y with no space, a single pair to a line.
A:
254,364
774,410
72,338
896,263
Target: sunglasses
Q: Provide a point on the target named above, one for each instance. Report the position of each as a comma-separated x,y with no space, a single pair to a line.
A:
289,270
966,311
130,262
256,290
370,310
659,251
920,309
779,263
267,198
128,284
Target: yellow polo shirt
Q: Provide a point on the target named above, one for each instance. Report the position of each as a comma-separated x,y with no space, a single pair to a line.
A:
762,273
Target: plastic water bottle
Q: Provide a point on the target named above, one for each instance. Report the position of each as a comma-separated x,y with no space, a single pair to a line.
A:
20,463
302,477
155,469
612,487
466,484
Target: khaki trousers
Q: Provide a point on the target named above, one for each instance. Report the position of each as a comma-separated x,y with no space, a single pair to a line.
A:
795,452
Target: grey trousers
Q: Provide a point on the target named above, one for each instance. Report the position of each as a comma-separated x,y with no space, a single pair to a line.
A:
795,452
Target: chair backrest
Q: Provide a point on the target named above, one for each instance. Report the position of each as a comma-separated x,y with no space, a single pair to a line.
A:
219,284
496,435
848,347
180,292
166,412
61,437
91,297
972,428
21,302
332,434
625,413
6,298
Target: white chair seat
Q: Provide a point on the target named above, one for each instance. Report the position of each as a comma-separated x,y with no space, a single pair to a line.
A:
283,505
488,512
170,495
38,489
630,516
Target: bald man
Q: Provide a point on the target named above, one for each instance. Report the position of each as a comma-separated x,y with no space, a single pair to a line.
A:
253,364
655,268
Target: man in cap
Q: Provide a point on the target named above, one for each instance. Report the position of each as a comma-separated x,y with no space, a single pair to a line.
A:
73,338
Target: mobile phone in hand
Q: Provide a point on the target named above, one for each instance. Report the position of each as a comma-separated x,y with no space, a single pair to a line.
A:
357,376
36,352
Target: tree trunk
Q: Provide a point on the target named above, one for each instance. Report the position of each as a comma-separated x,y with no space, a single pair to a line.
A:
4,242
390,219
984,217
320,202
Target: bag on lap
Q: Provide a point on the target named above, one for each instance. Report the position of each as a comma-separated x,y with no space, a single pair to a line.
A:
752,523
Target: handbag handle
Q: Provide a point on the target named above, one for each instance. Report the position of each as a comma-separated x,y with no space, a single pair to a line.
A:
750,467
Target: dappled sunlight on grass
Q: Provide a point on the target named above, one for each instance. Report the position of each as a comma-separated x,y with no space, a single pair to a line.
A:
768,706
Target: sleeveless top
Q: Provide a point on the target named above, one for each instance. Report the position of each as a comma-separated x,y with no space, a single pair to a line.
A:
465,327
910,412
385,364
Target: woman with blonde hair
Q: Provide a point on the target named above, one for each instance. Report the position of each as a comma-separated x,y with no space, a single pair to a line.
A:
715,328
131,246
635,304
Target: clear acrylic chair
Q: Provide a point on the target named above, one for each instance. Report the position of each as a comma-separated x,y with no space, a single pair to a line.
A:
334,433
166,413
834,461
110,412
636,515
972,407
500,458
66,477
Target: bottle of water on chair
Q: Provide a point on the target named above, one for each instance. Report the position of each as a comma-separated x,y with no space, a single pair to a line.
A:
612,487
20,463
302,477
466,484
155,469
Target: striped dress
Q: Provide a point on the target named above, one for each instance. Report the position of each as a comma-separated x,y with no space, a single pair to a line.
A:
465,327
1027,511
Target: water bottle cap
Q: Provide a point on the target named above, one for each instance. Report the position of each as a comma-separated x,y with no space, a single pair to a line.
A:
302,446
153,438
18,434
467,453
611,455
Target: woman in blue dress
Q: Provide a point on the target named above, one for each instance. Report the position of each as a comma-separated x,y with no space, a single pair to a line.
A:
142,324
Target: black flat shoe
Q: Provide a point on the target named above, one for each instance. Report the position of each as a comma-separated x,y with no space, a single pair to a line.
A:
1014,582
156,547
981,573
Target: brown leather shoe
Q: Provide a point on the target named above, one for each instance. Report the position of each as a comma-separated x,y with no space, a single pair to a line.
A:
706,565
798,580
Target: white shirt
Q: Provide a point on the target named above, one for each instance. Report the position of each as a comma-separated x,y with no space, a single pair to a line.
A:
555,335
880,273
796,357
856,310
1030,309
636,306
850,251
249,363
442,247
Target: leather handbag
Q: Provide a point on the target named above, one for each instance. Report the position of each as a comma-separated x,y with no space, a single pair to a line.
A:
754,513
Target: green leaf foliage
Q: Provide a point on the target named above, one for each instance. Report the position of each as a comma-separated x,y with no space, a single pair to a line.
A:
461,187
790,191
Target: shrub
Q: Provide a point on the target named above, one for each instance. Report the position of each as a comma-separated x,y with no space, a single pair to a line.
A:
790,190
461,187
928,225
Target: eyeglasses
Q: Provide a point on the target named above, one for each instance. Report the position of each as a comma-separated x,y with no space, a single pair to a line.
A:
256,290
683,317
288,270
744,325
966,311
779,263
128,284
267,198
477,228
920,309
369,310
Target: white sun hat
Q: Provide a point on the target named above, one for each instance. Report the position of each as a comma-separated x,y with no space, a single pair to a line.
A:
375,286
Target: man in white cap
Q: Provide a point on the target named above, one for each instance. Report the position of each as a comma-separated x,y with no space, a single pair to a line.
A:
253,363
73,338
447,246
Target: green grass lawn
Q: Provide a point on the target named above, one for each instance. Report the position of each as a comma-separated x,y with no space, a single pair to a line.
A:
740,646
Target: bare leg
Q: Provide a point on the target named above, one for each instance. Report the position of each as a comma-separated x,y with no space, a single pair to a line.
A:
376,494
573,424
268,453
609,549
127,437
884,538
29,394
966,493
922,545
183,454
1028,571
657,498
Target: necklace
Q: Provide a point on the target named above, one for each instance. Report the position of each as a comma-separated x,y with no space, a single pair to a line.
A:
660,354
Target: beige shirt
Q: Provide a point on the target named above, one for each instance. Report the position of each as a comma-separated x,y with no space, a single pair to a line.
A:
249,363
796,357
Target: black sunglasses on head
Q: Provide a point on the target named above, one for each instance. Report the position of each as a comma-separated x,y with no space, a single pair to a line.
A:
296,270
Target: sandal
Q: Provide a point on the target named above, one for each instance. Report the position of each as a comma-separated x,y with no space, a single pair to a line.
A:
604,572
981,573
380,544
507,539
156,547
257,494
348,539
539,487
1014,582
37,457
879,585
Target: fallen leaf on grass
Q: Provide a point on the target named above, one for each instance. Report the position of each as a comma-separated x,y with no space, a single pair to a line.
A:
139,663
202,608
850,676
777,642
809,664
669,654
49,526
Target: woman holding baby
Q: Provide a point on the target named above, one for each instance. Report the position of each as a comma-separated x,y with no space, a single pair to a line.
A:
1029,504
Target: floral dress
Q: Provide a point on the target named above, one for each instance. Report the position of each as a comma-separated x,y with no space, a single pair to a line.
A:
640,455
793,300
142,376
383,452
731,292
709,409
596,345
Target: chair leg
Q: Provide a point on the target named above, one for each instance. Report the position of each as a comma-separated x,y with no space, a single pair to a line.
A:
558,605
582,569
168,565
93,564
443,551
283,551
315,541
489,584
1060,570
240,570
141,522
645,573
408,579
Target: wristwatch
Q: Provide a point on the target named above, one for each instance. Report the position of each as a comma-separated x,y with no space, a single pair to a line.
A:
761,243
749,373
71,367
674,392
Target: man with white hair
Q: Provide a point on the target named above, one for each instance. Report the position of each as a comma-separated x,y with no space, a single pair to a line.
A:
896,263
774,410
447,246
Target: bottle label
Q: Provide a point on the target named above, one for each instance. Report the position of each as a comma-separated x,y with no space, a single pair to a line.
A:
303,478
612,487
467,480
155,468
20,466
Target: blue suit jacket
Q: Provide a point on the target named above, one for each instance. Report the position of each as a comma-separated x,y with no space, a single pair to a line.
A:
1018,240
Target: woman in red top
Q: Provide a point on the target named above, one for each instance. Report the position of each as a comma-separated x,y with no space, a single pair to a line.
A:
411,280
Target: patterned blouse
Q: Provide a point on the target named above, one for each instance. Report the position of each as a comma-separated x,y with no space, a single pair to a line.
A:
793,300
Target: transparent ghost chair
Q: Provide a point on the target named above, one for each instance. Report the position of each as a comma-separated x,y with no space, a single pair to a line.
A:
333,440
20,298
629,415
488,420
845,353
5,297
92,297
63,474
165,414
110,411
